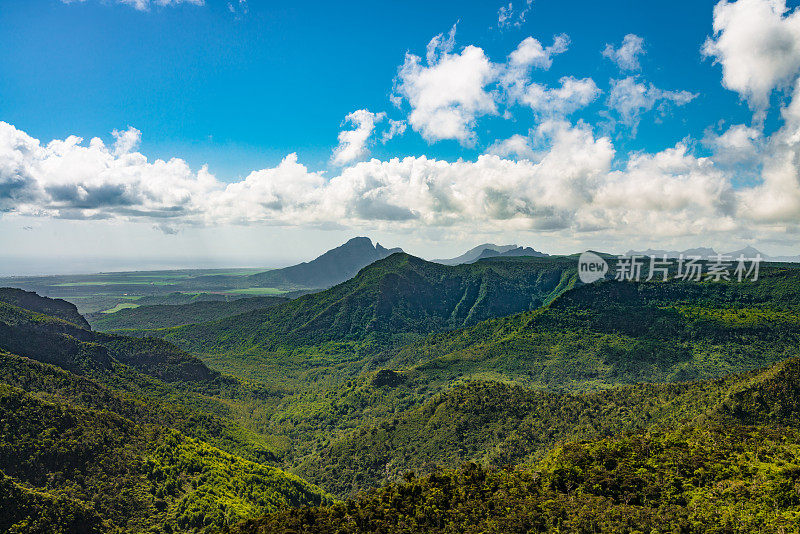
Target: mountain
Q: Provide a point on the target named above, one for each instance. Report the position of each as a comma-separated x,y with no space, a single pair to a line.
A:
57,308
710,254
128,441
164,316
698,479
612,333
132,477
331,268
635,456
56,341
703,252
474,253
603,336
395,297
511,253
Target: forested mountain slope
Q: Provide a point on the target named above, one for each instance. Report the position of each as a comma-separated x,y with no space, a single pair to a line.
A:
503,424
398,296
696,479
134,477
29,300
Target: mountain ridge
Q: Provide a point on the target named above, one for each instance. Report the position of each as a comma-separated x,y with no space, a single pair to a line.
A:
330,268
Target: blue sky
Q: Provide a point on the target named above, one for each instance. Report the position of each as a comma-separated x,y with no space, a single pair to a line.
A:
239,87
239,92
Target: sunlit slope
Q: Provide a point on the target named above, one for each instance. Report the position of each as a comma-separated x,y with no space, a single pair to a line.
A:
132,476
620,332
396,297
503,424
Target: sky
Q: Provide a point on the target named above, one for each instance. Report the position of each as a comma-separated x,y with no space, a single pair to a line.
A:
206,133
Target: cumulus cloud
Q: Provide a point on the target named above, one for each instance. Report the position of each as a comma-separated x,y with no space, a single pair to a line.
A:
530,53
630,98
507,17
515,79
144,5
572,95
70,179
396,129
353,143
738,145
518,146
757,42
563,179
627,55
447,92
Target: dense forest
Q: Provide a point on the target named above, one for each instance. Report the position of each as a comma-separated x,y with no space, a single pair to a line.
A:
497,396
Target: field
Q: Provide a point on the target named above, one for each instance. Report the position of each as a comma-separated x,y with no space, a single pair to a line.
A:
111,292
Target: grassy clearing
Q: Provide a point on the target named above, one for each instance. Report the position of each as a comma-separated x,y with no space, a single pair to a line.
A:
257,291
121,306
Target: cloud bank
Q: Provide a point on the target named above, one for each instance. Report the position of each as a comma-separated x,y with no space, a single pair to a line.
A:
561,176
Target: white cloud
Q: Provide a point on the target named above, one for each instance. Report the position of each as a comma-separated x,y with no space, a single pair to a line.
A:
627,55
126,141
396,129
353,143
507,17
69,179
565,180
738,145
517,145
630,98
757,42
568,184
144,5
531,53
571,96
449,92
238,7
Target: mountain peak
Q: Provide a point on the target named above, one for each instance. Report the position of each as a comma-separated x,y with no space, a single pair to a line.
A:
328,269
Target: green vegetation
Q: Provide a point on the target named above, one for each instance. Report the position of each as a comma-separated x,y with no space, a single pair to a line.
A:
257,291
708,479
394,299
653,406
94,293
134,477
121,306
142,317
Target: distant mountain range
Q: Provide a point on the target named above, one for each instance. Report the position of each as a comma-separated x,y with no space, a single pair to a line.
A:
709,253
490,250
333,267
474,253
512,253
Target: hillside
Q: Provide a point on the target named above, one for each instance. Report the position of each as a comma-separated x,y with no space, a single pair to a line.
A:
331,268
398,296
60,309
413,365
511,253
620,332
502,424
61,343
701,479
165,315
133,477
